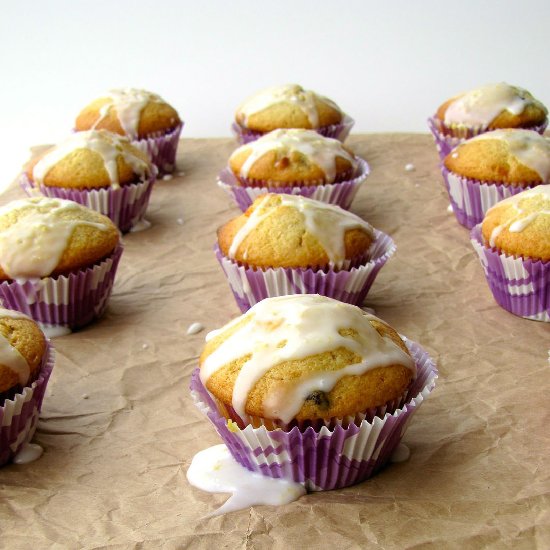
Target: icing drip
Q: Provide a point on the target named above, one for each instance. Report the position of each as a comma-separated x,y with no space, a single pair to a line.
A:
319,150
294,327
29,453
289,93
522,219
481,106
33,245
106,144
326,222
128,104
528,146
9,355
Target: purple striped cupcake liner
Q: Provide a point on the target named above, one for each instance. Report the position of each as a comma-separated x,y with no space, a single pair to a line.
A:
341,194
446,139
336,131
471,198
519,285
326,458
70,301
350,285
19,415
161,149
125,205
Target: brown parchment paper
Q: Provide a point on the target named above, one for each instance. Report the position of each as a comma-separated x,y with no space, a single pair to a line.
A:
113,471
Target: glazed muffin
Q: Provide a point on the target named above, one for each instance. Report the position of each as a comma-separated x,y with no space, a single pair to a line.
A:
513,245
145,118
289,244
490,107
314,379
59,253
98,169
492,166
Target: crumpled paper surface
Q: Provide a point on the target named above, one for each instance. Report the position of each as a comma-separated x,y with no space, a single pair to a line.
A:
119,428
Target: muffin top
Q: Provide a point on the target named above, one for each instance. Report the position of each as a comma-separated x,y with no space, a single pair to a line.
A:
512,157
287,106
305,356
280,230
493,106
284,157
520,225
131,112
91,160
22,347
40,236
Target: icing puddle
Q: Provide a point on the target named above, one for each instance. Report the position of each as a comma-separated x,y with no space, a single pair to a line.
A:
28,453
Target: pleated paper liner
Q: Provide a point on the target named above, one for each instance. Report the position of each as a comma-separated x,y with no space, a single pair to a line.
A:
327,457
519,285
162,149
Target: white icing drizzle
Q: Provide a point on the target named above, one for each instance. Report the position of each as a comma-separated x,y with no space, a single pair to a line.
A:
528,146
328,223
128,104
288,93
216,471
33,245
481,106
106,144
522,220
318,149
9,355
293,327
194,328
29,452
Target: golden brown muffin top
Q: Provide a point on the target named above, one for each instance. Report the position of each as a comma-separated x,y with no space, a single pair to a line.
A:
91,160
493,106
40,237
520,225
280,230
291,357
287,106
511,157
22,347
131,112
284,157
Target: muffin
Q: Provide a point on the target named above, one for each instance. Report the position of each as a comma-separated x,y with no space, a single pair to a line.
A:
145,118
57,260
492,166
513,244
314,374
491,107
98,169
289,244
289,106
294,161
25,367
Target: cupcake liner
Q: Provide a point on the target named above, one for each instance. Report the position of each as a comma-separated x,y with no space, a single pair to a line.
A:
341,193
161,149
125,205
471,198
336,131
519,285
349,285
322,459
19,415
70,301
446,139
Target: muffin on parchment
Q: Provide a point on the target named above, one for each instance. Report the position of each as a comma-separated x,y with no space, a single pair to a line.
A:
289,244
490,107
145,118
487,168
58,260
26,362
513,244
294,161
289,106
330,384
98,169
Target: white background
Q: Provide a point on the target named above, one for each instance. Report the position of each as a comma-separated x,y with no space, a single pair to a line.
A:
388,64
